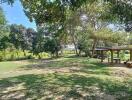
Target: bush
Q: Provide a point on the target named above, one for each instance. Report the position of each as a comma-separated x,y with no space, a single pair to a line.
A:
30,57
52,46
46,55
122,55
1,58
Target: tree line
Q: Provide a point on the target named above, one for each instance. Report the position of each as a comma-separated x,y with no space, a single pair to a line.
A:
85,23
17,37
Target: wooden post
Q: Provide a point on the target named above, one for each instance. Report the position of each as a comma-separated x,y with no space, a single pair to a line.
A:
102,56
130,55
111,56
118,54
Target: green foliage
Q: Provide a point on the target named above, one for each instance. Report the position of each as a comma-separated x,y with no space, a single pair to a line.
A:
4,32
21,37
12,55
1,58
122,9
55,11
4,29
38,43
52,46
4,43
2,18
85,43
50,11
122,55
15,36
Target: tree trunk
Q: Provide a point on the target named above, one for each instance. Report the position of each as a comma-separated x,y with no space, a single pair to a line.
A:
79,52
4,54
73,40
39,56
24,53
62,52
17,54
57,55
94,46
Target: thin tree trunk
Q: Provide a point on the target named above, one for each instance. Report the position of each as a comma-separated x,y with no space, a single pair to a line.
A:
79,52
93,48
73,39
39,56
62,52
75,47
17,54
24,53
4,54
57,55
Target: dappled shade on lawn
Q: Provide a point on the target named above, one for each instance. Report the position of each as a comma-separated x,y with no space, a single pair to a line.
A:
65,78
55,86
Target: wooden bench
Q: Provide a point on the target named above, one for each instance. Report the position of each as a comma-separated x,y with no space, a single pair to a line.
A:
117,60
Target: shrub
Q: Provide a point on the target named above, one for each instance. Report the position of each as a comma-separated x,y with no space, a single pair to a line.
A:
30,57
1,58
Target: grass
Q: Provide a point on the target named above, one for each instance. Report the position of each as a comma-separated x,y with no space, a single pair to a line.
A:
8,66
64,79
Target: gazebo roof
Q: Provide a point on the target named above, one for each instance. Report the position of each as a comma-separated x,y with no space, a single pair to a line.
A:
125,47
101,49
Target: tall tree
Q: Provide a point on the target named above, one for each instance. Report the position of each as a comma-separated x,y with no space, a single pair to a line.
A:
21,37
2,17
3,25
38,42
4,32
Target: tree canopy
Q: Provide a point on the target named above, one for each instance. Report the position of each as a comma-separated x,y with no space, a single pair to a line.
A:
2,17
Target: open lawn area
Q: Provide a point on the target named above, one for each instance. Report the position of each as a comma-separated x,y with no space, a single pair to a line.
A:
66,78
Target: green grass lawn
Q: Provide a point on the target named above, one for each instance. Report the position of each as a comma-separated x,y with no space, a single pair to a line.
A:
7,66
66,78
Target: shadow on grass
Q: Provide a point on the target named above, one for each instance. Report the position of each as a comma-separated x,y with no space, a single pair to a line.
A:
63,86
65,62
95,68
80,64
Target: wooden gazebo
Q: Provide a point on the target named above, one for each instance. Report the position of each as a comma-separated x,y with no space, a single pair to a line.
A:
112,49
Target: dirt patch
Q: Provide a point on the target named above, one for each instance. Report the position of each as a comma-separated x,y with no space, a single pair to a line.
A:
121,72
24,62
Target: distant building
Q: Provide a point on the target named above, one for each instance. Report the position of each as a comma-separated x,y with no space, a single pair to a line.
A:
68,47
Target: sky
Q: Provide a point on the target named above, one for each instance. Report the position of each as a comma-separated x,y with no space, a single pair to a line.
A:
15,15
